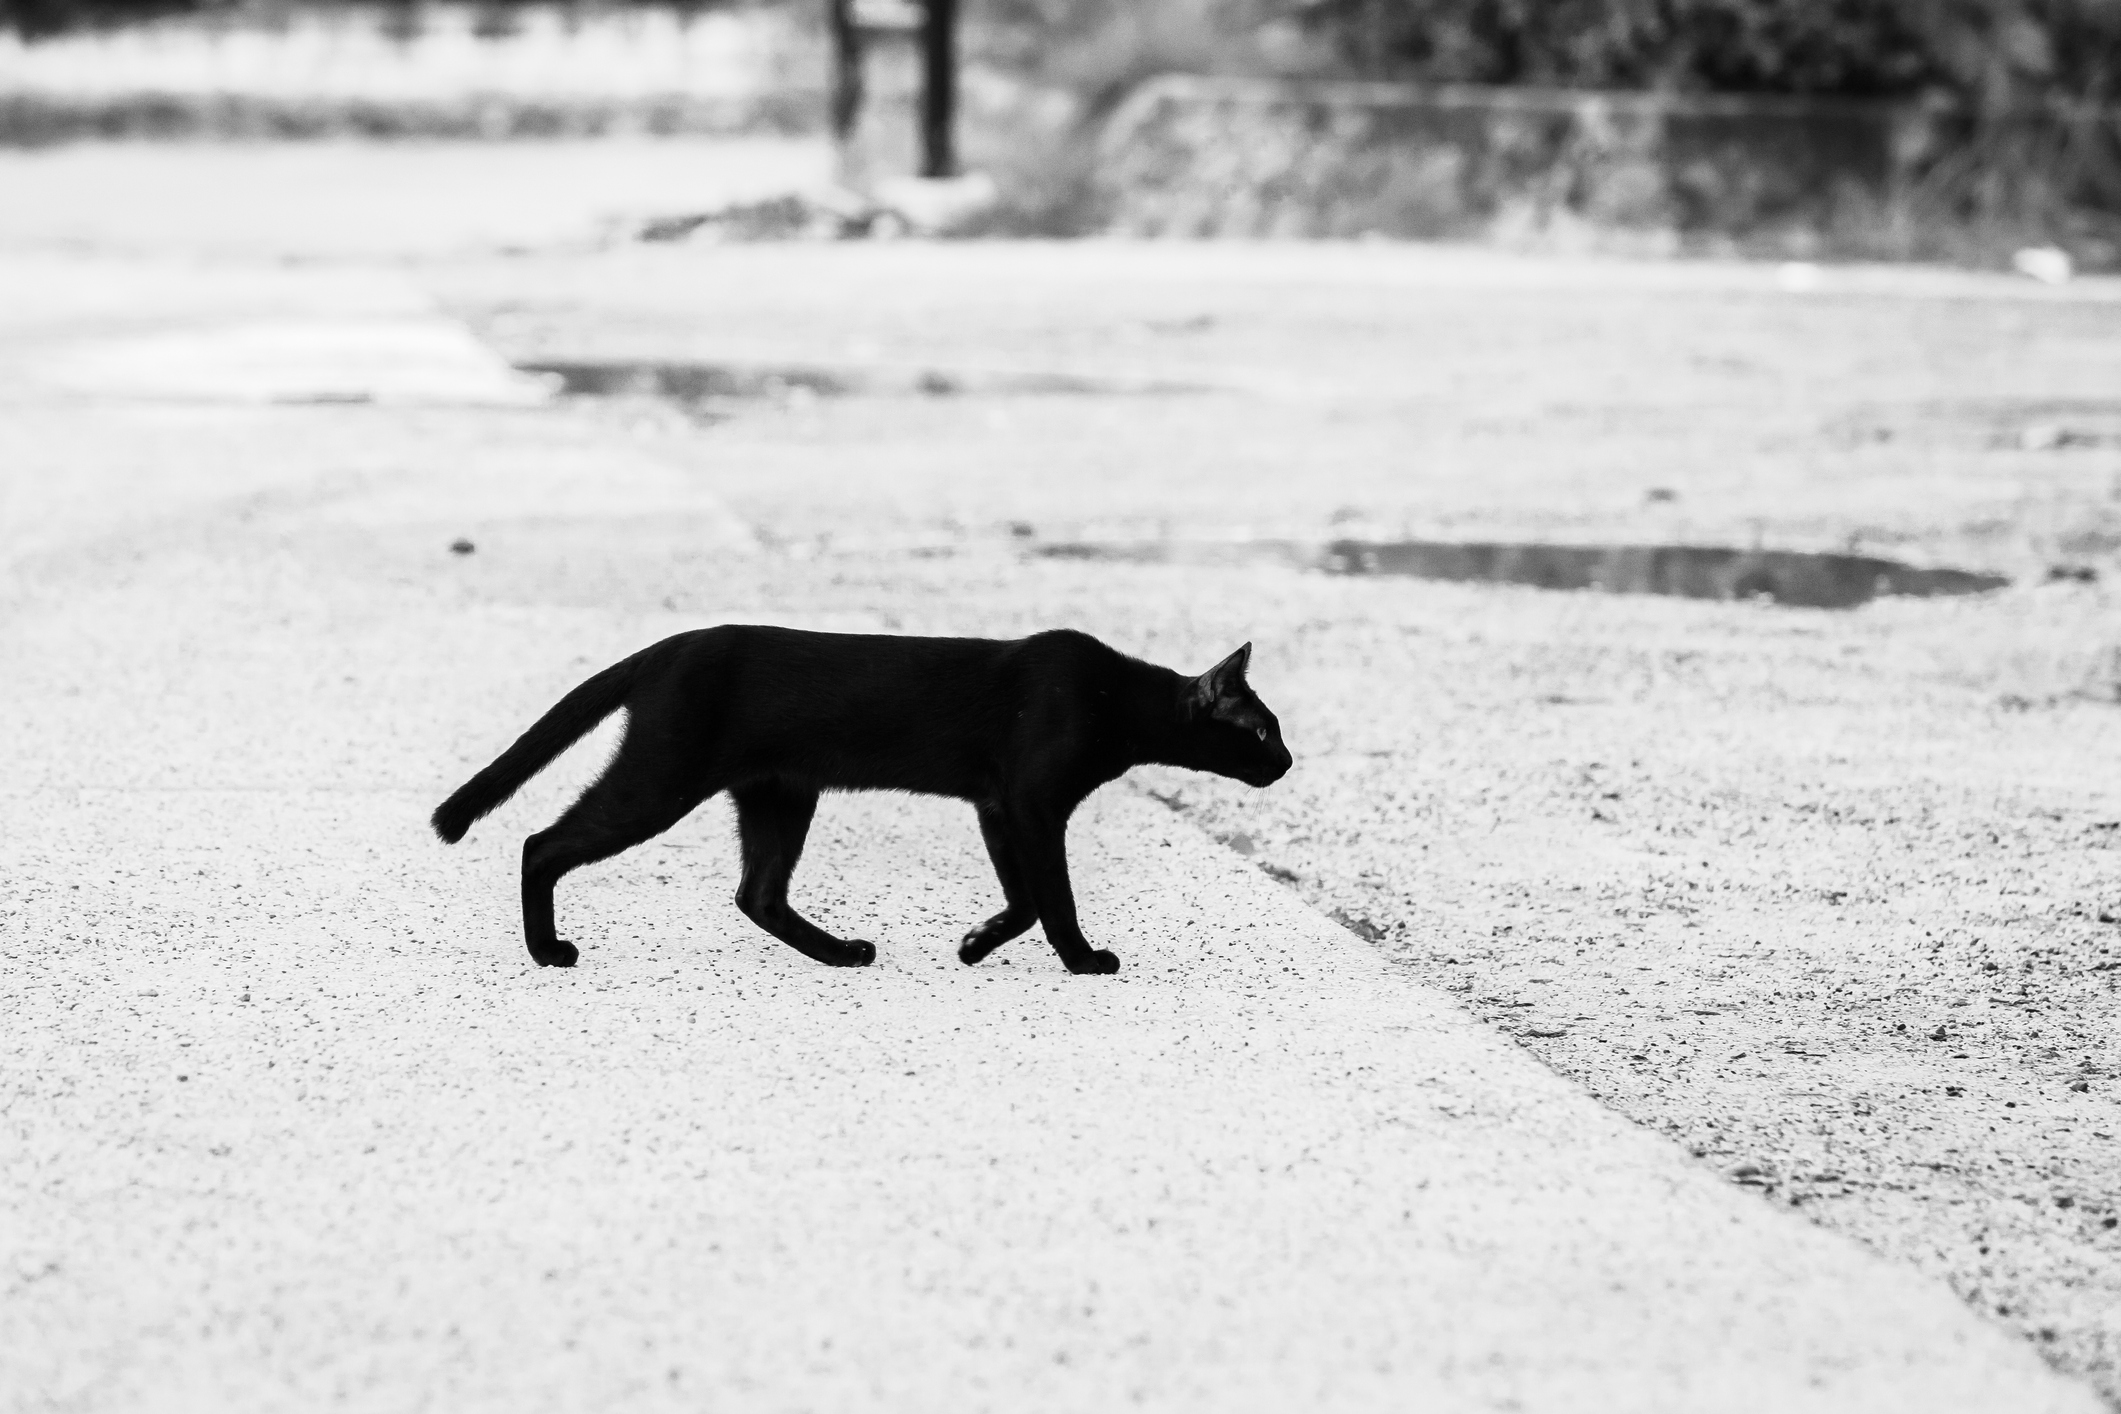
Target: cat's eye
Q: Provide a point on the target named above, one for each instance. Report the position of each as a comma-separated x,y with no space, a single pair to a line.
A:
1260,732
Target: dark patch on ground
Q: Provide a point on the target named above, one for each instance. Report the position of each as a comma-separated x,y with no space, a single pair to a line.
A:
1795,578
690,382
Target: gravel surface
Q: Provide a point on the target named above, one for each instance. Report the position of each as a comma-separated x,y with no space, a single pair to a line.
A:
1827,897
1963,419
290,1119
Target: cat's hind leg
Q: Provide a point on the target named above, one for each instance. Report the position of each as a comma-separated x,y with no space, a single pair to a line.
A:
772,821
639,796
1019,913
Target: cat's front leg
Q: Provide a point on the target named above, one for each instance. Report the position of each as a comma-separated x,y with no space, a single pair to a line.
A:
1095,961
1020,913
985,937
1039,843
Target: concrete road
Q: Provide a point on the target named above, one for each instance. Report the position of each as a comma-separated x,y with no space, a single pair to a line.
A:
1827,897
380,201
290,1120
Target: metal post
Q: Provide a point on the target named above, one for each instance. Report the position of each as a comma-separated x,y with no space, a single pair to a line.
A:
939,90
846,68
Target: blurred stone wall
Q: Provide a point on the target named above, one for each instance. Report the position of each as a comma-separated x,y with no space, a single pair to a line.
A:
1191,156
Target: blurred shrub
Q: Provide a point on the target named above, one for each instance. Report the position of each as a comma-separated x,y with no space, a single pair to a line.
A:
497,19
1987,53
38,19
1101,49
2024,132
1983,52
1043,75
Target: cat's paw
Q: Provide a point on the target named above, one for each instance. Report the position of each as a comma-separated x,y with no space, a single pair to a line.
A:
1097,963
855,954
557,953
986,937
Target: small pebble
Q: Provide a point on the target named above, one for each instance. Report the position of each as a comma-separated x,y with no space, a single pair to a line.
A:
461,546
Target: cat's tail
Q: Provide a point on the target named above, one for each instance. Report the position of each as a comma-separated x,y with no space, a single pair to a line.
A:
569,720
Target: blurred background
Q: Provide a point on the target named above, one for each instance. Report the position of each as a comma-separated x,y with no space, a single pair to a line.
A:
1956,129
1666,453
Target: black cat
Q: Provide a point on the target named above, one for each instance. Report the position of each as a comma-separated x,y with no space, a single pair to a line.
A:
1024,729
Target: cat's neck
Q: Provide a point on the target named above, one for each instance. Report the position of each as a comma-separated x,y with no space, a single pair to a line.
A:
1152,717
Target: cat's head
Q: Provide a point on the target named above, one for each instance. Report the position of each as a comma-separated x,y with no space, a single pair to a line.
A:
1233,732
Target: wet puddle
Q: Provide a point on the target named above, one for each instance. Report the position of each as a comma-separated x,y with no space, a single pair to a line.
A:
1812,581
1795,578
695,383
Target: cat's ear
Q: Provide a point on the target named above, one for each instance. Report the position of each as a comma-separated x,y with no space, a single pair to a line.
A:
1222,681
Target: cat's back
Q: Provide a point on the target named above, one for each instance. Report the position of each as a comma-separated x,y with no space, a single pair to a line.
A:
852,709
857,710
1061,661
853,661
888,660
